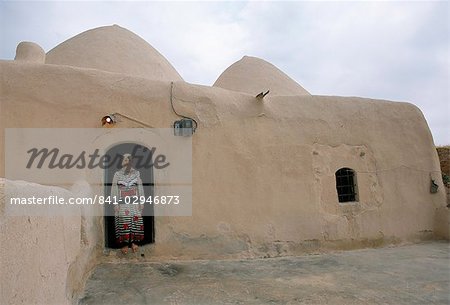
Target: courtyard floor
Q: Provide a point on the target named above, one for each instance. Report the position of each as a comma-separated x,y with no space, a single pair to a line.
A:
413,274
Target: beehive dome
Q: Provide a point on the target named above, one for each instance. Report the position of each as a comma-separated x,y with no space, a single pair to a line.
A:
113,49
253,75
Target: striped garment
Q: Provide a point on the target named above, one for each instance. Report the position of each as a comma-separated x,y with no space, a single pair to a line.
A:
129,225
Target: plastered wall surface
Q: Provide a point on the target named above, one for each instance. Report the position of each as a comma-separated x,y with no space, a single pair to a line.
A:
45,259
274,160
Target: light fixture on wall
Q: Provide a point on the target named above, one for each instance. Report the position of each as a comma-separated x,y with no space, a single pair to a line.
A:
112,119
109,120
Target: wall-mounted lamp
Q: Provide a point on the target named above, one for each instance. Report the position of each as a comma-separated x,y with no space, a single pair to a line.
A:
111,119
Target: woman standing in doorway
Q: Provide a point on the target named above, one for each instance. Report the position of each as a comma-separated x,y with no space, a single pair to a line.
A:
129,226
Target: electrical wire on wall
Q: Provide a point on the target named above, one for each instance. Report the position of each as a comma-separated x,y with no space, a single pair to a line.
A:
173,108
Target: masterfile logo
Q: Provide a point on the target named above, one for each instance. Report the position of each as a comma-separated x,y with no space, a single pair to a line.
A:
147,167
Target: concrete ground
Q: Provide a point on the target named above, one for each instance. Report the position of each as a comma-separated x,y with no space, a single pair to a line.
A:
413,274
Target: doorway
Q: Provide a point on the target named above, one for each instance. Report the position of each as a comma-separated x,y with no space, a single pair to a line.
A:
139,152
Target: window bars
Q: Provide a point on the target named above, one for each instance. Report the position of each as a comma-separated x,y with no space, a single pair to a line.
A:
346,185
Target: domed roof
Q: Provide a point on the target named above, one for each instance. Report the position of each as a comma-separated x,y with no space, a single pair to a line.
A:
113,49
30,52
253,75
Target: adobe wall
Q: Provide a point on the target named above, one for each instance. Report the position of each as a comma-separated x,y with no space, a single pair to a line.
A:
263,172
45,260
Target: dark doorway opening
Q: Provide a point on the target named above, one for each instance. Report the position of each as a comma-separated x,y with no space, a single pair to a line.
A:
115,154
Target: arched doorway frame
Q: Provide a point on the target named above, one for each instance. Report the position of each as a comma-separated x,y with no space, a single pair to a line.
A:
147,177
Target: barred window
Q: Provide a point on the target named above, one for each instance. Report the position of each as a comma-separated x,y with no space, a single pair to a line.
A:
346,185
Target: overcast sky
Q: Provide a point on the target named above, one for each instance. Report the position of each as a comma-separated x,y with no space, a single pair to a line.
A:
397,51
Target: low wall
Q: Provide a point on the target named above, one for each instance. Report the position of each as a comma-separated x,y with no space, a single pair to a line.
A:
44,259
